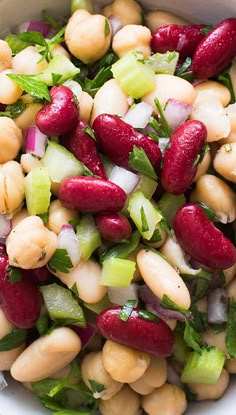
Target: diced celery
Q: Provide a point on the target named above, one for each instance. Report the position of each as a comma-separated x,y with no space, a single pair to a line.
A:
60,163
100,306
37,186
117,272
61,305
164,62
147,186
59,65
203,368
169,204
135,77
144,214
81,4
88,235
181,350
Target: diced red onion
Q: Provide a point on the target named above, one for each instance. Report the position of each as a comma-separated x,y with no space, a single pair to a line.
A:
176,112
85,333
139,115
119,296
74,87
34,26
217,306
5,226
124,178
116,23
3,382
35,141
173,376
67,239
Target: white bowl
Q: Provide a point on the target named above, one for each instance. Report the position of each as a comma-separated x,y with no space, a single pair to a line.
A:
15,400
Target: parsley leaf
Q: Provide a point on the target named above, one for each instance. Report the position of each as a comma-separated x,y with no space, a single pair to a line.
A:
163,118
15,43
230,330
42,324
147,315
14,274
156,237
127,310
122,250
93,85
145,227
60,261
208,211
139,161
88,130
49,19
96,387
107,28
13,110
184,71
34,38
13,339
207,29
191,337
31,85
166,302
225,79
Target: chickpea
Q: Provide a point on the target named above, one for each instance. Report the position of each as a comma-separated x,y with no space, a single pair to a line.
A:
202,305
215,339
154,377
11,139
231,113
170,86
168,399
86,275
11,187
132,37
224,162
203,166
87,36
156,19
230,366
28,61
125,402
59,50
204,391
229,274
128,11
219,91
59,215
10,92
216,194
231,289
30,244
92,368
123,363
28,116
46,355
19,216
5,56
110,99
85,106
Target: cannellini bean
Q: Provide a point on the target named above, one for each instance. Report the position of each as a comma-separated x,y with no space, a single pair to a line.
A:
128,11
217,195
28,116
10,92
168,399
169,86
132,37
28,61
229,274
154,377
59,215
11,187
125,402
231,289
163,236
29,162
224,162
46,355
11,139
59,50
158,18
204,391
92,369
203,166
86,276
30,244
87,36
219,91
230,366
123,363
208,109
162,278
110,99
215,339
19,216
5,56
85,106
231,113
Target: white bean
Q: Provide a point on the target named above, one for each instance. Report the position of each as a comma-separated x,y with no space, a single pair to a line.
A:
158,18
224,162
5,55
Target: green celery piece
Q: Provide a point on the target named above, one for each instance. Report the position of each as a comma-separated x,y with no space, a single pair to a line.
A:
181,350
203,368
97,308
135,77
61,305
60,163
59,65
37,186
164,62
169,204
88,235
140,207
147,186
117,272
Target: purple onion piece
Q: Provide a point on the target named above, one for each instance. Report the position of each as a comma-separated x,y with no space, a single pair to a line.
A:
217,306
173,377
116,23
85,333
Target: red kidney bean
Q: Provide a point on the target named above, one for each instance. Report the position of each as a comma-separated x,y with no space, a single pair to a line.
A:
84,149
40,274
61,114
182,39
116,139
216,50
179,161
20,301
91,194
113,227
199,237
148,336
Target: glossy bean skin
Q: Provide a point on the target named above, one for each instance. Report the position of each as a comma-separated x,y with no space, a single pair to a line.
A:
90,194
179,162
117,139
83,146
182,39
199,237
113,227
145,335
216,50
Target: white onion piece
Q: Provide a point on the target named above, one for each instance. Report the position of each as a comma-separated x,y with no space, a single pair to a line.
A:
217,306
119,296
67,239
35,141
176,112
116,23
163,143
124,178
74,87
5,226
3,382
42,27
139,115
